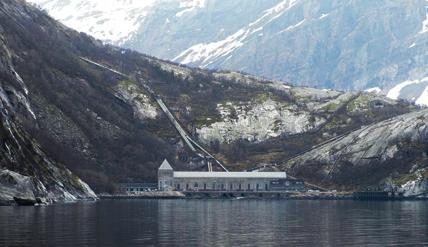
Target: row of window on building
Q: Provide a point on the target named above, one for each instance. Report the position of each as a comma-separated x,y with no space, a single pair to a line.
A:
137,187
214,186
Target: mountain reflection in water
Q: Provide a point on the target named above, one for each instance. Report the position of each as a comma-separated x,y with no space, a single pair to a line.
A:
216,223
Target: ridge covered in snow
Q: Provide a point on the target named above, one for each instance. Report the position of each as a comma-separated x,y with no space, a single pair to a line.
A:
206,53
323,44
108,20
113,21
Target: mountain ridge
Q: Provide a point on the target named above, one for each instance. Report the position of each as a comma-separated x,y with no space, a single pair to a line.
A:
354,45
107,129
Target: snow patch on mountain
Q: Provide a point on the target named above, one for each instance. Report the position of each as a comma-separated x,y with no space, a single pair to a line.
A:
190,6
109,20
292,26
425,22
423,99
207,53
396,92
375,90
323,16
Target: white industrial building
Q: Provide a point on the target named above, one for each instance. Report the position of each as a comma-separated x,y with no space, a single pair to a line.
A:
168,179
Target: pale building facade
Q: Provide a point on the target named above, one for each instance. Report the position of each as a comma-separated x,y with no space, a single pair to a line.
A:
168,179
165,176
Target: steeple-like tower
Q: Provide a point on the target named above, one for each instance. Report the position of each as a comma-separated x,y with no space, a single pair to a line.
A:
165,176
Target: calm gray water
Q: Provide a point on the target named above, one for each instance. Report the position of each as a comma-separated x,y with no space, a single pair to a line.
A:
217,223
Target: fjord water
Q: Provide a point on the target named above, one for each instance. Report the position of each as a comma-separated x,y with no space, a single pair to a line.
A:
217,223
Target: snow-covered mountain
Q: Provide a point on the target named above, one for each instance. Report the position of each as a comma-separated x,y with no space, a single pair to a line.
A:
379,46
113,21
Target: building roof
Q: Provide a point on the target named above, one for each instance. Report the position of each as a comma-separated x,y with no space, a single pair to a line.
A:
165,165
230,175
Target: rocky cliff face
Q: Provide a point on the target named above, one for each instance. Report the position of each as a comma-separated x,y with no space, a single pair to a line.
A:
107,129
256,122
26,172
393,151
347,45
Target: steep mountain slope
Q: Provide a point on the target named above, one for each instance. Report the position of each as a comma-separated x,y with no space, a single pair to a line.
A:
107,128
26,172
79,120
345,45
393,151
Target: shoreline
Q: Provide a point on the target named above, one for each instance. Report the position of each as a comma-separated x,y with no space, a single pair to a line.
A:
271,195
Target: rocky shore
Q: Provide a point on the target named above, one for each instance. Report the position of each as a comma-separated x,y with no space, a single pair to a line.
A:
17,189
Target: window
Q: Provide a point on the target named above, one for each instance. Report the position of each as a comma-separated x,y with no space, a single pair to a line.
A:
187,186
230,186
196,185
239,186
178,186
222,186
205,186
249,187
266,187
257,186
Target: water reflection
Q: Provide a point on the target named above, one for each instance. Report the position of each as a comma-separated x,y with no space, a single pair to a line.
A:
216,223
